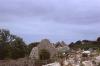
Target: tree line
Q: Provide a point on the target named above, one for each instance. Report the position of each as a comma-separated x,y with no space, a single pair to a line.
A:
13,46
86,44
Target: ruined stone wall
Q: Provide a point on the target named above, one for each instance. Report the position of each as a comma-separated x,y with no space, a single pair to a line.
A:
44,44
34,53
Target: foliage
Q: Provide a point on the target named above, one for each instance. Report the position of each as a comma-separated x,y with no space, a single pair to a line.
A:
31,45
11,46
98,39
85,44
19,48
4,35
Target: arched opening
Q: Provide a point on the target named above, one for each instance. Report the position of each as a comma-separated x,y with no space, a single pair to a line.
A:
44,54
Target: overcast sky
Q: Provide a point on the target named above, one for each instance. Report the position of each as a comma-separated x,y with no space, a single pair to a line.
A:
68,20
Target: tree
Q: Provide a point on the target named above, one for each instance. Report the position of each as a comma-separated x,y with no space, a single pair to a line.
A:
19,48
78,42
58,44
98,39
4,39
71,45
32,45
11,46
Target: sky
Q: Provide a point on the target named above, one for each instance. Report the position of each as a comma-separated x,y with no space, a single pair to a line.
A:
56,20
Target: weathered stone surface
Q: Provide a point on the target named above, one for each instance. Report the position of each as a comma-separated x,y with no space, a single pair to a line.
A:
63,49
34,53
44,44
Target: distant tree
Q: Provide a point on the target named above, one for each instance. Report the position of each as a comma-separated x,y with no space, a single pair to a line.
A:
63,43
19,48
98,39
71,45
32,45
11,46
78,42
58,44
85,41
4,41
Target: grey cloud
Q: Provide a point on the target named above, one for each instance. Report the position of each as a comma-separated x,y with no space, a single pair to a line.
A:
70,11
55,19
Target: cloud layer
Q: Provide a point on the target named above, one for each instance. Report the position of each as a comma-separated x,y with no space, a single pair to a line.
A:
67,20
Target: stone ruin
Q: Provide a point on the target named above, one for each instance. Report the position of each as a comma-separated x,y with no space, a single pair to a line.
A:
45,44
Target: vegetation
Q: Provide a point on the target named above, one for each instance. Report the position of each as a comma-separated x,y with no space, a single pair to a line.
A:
31,45
11,46
86,44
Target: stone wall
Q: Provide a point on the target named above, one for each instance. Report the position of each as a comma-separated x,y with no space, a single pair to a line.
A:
44,44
